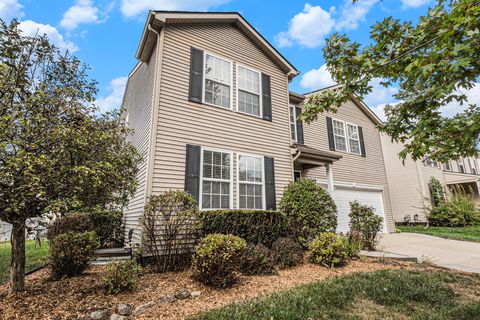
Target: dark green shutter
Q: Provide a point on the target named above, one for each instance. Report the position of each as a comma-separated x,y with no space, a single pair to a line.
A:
362,142
298,112
266,97
331,141
270,200
196,75
192,171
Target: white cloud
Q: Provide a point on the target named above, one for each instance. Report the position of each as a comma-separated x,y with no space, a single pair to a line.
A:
32,28
82,11
317,78
307,28
10,9
352,13
473,97
414,3
114,99
131,8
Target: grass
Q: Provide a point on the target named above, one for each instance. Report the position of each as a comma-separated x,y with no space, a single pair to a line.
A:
387,294
35,257
461,233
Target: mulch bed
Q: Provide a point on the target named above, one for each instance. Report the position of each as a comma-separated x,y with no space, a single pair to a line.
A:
76,297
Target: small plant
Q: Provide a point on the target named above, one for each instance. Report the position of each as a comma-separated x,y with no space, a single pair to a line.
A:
217,260
309,208
287,253
328,250
364,221
436,191
71,252
171,226
257,259
458,212
71,222
121,276
108,226
353,243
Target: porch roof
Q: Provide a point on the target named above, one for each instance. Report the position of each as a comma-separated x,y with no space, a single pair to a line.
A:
310,157
459,178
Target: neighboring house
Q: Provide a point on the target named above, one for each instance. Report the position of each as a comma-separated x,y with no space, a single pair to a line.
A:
210,108
409,181
5,231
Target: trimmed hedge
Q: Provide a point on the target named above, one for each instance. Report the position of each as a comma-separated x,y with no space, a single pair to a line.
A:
255,226
108,226
71,222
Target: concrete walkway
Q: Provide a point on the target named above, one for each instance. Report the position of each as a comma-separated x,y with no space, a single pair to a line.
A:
454,254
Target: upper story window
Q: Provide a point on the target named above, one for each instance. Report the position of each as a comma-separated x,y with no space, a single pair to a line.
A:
250,182
429,162
218,81
461,167
447,166
475,166
293,123
216,179
346,139
248,85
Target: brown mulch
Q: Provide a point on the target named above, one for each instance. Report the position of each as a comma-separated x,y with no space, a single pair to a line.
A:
77,297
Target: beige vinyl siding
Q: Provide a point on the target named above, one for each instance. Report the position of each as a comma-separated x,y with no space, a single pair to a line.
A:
352,167
138,104
182,122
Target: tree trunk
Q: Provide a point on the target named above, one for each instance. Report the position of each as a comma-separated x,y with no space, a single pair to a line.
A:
17,262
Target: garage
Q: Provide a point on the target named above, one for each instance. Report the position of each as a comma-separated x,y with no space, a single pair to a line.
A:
370,197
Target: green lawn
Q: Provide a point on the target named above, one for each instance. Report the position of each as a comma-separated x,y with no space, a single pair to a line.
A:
393,294
36,256
465,233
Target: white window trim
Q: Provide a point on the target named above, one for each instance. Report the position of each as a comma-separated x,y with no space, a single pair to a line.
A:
200,198
250,182
204,77
347,139
260,93
294,122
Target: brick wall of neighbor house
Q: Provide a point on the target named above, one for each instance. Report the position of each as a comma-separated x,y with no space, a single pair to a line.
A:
181,122
352,168
137,101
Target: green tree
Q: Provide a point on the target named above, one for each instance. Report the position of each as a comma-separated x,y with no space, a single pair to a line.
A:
57,153
432,62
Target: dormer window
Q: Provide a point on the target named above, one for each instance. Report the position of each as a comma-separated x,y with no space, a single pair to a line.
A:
218,81
248,94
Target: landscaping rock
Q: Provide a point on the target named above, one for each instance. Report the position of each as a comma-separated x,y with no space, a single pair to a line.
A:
142,308
125,309
118,317
195,294
99,315
182,294
167,299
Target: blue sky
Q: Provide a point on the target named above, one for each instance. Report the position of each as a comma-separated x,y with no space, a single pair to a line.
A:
105,33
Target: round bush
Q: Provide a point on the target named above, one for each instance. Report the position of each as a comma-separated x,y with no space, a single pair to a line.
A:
71,252
217,260
287,253
121,276
328,250
257,259
309,208
71,222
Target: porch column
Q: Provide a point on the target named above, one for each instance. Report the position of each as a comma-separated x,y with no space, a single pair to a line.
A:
330,187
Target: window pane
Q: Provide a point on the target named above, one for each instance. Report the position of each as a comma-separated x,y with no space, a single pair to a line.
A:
217,94
354,146
217,69
249,103
338,128
340,143
217,166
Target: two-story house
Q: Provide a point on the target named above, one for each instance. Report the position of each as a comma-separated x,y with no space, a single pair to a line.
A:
409,181
211,112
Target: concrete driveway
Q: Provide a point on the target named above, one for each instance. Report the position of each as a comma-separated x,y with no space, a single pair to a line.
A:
454,254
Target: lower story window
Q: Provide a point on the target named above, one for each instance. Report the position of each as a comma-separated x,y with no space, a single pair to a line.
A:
250,182
216,179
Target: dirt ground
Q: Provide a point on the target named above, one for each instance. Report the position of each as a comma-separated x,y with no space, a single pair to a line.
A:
76,297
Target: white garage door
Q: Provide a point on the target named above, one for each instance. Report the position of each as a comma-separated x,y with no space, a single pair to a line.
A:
343,197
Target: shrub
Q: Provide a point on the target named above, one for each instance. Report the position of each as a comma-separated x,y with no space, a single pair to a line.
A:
458,212
171,226
364,221
436,191
353,243
255,226
287,253
71,222
121,276
71,252
309,208
108,226
328,250
257,259
217,260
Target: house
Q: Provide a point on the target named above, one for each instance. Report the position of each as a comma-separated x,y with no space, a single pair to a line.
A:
409,181
212,113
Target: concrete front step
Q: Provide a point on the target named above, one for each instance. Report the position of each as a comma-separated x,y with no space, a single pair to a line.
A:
105,260
387,255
